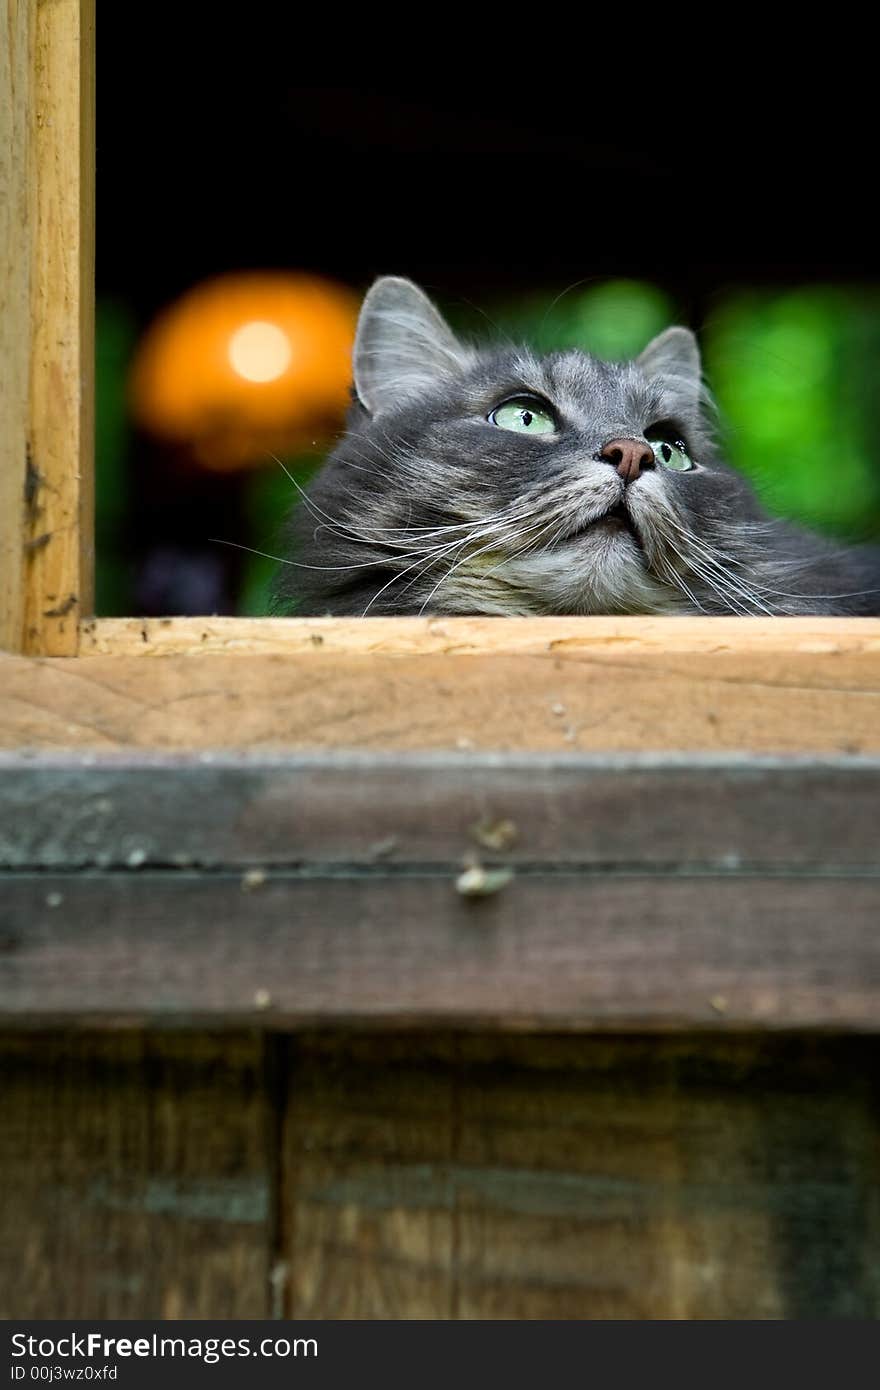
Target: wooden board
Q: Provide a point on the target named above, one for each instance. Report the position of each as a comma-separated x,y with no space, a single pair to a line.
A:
438,1176
16,25
642,893
550,951
793,686
46,323
136,1176
633,812
581,1178
602,636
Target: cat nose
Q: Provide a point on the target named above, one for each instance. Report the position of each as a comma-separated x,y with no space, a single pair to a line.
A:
629,456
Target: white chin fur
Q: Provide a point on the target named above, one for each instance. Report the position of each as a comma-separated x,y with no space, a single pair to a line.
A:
598,572
602,569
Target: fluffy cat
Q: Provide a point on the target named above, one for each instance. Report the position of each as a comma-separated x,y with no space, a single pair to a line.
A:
491,481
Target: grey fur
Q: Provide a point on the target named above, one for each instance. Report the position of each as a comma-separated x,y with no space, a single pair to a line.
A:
427,507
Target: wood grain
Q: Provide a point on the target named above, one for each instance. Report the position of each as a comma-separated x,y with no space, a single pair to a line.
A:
643,892
439,1176
550,951
47,348
564,700
357,1240
581,1178
59,539
17,23
608,636
136,1178
634,812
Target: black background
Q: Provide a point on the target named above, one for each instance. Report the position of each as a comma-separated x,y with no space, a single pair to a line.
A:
212,156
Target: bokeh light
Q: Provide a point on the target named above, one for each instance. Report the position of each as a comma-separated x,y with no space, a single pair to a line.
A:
246,365
260,351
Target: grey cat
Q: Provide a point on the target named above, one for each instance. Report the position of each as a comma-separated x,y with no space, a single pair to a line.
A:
491,481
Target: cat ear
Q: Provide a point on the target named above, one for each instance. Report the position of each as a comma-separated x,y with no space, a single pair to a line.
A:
402,345
673,353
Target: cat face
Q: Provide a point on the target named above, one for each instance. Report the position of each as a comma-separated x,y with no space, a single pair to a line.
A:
492,481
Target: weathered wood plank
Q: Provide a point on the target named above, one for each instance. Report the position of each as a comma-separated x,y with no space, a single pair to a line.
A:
647,892
441,1177
549,951
610,636
353,1252
631,811
46,321
136,1176
59,539
563,700
17,22
582,1178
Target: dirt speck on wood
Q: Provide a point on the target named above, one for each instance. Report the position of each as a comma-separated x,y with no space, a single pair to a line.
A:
495,834
252,879
479,882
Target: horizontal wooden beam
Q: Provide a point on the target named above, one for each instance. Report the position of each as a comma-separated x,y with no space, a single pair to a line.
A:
629,894
546,953
608,636
798,686
634,813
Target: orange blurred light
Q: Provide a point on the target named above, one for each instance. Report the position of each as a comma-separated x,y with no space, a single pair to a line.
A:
247,365
260,351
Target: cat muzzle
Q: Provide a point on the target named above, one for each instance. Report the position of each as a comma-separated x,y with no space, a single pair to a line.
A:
630,457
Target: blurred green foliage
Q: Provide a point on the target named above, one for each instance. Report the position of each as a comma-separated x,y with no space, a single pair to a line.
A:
795,378
270,495
793,373
612,319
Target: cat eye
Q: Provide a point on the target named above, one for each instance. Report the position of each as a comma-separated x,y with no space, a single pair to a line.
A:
672,454
524,415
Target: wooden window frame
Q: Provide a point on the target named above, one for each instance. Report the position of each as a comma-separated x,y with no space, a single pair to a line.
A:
602,684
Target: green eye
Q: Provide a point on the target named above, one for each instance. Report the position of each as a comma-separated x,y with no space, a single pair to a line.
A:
672,455
524,416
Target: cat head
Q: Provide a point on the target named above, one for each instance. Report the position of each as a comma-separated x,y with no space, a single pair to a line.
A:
494,481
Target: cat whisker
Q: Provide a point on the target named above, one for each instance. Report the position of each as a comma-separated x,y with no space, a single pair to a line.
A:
298,564
343,529
729,602
672,575
491,543
735,597
797,567
397,577
719,583
726,579
441,551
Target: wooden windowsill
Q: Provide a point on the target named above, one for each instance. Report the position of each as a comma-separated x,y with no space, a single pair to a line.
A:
779,686
650,637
